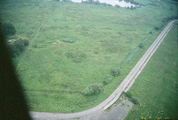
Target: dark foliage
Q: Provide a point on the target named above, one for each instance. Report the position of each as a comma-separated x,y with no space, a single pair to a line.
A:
135,100
7,29
69,40
131,7
171,8
93,89
19,44
105,82
129,94
115,71
66,0
97,2
141,45
165,19
169,18
17,47
127,1
26,43
13,51
117,6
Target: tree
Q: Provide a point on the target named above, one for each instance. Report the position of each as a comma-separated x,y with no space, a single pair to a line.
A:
97,2
90,1
8,29
131,8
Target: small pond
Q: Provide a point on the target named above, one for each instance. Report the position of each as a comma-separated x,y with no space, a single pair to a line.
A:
112,2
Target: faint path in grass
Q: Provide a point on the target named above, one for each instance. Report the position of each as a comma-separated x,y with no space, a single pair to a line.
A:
30,45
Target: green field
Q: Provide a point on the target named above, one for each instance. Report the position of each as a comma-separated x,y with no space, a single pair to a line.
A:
53,75
157,85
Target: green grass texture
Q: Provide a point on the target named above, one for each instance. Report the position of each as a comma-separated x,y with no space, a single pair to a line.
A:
53,75
157,85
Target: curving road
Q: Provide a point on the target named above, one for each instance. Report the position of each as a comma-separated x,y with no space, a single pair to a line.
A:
124,86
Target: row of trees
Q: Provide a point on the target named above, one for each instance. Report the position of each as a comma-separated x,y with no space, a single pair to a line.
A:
97,2
96,87
165,19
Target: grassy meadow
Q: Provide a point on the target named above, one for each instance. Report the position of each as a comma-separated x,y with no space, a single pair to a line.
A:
53,75
157,85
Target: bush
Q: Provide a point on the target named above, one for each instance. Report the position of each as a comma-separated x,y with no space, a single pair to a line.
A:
14,52
135,100
26,43
141,45
129,94
19,44
105,82
8,29
93,89
115,71
69,40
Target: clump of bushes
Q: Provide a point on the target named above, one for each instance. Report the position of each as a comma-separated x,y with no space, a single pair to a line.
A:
19,44
7,29
105,82
135,100
17,47
69,40
13,51
93,89
141,45
115,71
129,94
165,19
